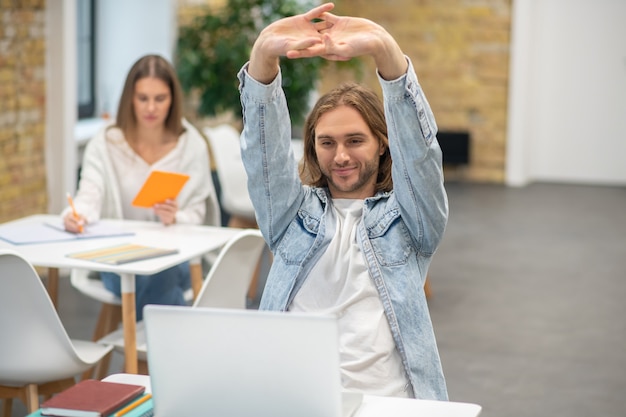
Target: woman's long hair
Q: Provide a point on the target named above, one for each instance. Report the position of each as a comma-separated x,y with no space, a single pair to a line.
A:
157,67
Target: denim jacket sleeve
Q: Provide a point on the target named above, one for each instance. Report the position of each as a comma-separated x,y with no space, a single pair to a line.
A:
417,160
273,181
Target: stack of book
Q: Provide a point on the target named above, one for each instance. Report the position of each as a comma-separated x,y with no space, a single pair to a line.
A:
92,398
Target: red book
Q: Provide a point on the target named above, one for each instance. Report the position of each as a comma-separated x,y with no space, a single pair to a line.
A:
91,398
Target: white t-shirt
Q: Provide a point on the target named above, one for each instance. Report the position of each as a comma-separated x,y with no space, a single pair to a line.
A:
340,284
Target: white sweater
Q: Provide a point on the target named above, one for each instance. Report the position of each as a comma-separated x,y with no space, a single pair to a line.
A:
99,195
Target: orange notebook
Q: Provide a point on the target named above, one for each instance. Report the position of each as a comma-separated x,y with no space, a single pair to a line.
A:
91,398
160,186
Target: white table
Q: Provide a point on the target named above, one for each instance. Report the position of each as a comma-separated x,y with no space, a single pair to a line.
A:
191,241
372,406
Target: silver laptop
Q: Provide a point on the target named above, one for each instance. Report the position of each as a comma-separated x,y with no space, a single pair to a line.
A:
243,363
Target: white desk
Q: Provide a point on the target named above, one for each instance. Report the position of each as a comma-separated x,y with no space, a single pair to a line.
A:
191,241
373,406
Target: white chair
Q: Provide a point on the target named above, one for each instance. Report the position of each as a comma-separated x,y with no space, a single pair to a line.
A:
225,286
37,357
227,283
234,197
235,200
110,316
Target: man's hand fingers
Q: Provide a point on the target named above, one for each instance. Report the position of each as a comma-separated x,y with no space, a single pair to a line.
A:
317,12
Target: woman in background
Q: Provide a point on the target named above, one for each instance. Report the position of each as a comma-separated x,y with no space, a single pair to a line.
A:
149,133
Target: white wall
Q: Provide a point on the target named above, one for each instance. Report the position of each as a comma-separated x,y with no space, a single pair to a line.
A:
61,102
127,30
567,104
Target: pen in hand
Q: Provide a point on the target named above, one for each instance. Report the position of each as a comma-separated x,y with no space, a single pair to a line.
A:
74,212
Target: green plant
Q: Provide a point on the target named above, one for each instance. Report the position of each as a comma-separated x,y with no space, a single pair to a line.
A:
213,48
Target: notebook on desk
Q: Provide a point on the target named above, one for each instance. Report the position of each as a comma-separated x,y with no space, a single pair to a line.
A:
240,363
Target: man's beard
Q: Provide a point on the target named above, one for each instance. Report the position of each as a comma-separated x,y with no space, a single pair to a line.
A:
367,171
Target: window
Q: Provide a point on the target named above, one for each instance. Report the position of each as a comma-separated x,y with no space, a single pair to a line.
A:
85,56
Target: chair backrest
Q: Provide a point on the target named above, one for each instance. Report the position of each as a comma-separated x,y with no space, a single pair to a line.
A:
34,347
92,287
224,140
226,284
89,283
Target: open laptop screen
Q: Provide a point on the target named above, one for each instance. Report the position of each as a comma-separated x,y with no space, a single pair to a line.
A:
226,362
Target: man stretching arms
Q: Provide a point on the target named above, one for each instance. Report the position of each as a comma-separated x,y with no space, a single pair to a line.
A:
357,237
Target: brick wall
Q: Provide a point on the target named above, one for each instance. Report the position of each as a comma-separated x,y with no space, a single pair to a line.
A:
460,50
22,108
188,9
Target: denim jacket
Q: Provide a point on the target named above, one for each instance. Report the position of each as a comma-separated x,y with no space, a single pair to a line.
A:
399,231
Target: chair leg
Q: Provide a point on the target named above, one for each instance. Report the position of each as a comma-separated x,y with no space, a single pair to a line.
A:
6,395
100,370
29,394
53,286
109,320
195,272
7,406
32,398
142,367
254,283
46,390
114,314
427,289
